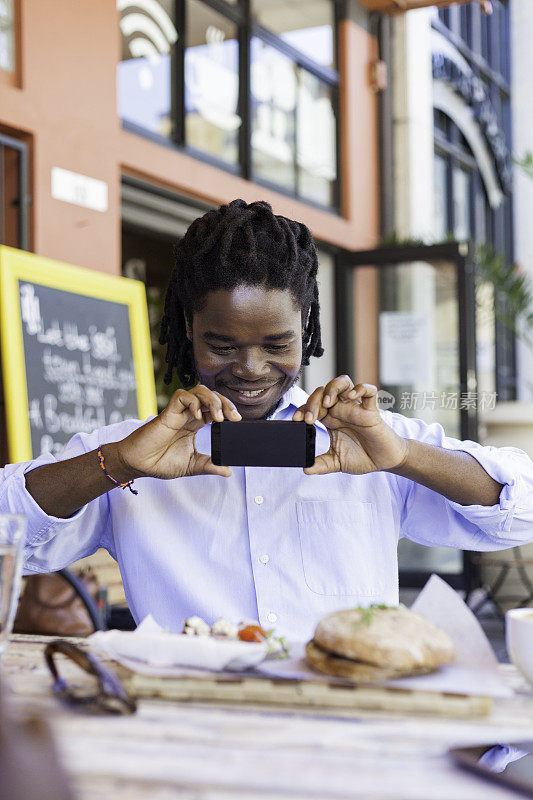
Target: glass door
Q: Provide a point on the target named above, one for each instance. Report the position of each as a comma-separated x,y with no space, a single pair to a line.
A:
13,192
13,219
409,327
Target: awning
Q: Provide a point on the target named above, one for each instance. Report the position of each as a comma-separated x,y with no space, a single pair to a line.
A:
397,6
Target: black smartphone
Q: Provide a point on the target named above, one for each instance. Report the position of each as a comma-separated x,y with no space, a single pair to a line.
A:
508,764
263,443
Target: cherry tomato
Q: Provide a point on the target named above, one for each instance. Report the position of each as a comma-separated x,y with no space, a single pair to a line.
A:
252,633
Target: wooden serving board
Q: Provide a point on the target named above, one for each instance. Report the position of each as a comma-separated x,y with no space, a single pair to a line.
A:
345,697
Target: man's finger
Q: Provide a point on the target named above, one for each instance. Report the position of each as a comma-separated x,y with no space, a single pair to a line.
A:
367,393
309,412
311,409
313,405
323,465
182,401
210,401
202,465
214,469
228,408
336,388
229,411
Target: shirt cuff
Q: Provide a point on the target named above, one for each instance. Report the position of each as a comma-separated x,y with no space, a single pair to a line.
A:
40,527
504,468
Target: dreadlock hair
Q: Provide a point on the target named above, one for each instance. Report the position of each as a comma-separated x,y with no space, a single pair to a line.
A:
238,244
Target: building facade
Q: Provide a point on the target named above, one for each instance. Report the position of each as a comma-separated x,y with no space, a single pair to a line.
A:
461,112
120,123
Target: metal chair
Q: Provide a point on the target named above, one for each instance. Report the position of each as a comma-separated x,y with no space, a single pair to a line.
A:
86,598
504,567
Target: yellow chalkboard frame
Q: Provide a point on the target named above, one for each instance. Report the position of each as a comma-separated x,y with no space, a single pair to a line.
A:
18,265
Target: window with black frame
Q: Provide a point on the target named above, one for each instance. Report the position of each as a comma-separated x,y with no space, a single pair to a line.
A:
249,85
212,121
472,172
145,77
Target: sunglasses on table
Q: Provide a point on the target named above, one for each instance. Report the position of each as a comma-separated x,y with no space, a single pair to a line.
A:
110,696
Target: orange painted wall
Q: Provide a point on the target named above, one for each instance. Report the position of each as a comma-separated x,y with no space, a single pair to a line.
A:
66,103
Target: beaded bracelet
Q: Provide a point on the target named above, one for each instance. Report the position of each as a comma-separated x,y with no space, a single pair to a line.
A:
111,478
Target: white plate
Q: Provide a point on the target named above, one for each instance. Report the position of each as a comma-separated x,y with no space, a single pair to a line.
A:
174,649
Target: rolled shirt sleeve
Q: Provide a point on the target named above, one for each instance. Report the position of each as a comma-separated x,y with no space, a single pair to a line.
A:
53,542
429,518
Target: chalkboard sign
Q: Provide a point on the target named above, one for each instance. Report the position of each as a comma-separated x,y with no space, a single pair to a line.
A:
76,352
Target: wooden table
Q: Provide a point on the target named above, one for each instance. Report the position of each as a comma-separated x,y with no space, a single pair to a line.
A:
209,752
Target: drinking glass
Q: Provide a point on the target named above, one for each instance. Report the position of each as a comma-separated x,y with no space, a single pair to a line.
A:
12,530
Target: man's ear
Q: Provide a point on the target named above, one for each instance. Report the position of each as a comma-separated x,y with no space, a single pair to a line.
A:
188,328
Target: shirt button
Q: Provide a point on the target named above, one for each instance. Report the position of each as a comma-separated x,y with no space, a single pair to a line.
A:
264,559
258,499
272,617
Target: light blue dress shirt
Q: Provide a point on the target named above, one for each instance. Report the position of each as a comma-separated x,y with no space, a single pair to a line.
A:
269,544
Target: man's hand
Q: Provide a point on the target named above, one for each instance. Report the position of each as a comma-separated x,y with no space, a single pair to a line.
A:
165,446
360,441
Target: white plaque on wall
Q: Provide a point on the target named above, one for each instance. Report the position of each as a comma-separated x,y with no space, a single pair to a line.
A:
72,187
405,348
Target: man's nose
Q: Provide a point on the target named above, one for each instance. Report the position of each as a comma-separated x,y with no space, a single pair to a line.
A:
251,364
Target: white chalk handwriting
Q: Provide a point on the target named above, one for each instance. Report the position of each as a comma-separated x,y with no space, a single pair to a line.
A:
89,380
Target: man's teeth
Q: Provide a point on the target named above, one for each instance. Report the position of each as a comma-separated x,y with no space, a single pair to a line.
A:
251,394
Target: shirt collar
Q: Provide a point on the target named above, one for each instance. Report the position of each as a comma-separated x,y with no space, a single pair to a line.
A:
290,401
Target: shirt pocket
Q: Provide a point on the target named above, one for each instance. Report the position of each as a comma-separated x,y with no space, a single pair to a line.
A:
340,546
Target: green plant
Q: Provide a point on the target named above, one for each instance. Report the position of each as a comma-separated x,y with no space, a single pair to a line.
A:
513,291
525,163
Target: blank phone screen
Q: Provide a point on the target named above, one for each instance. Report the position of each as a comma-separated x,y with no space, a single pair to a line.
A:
263,444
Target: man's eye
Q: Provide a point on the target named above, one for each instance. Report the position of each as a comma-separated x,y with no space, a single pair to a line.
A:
221,350
277,348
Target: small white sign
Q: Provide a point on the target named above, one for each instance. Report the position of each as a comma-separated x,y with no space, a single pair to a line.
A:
71,187
405,348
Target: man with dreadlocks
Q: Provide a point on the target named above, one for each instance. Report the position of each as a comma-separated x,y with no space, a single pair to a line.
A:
283,546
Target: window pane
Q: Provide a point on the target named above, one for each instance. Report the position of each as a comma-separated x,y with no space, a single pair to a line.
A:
463,23
307,25
144,73
504,43
485,36
274,96
494,33
461,204
454,23
316,145
211,83
7,44
479,226
293,126
444,15
441,122
441,199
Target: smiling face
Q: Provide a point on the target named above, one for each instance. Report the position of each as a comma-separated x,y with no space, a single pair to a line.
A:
247,345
